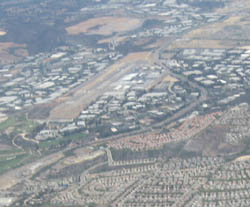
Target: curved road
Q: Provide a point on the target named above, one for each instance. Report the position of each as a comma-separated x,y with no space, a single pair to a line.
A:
203,97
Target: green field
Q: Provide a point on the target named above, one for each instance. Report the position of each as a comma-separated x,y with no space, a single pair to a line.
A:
8,123
8,163
9,152
20,124
62,140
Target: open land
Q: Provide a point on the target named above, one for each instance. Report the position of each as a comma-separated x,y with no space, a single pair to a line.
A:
225,34
125,103
243,158
104,26
5,55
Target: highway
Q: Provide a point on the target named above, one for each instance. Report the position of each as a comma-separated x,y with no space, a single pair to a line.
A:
203,97
164,64
179,114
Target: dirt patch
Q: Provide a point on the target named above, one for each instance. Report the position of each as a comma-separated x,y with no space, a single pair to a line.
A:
245,47
140,56
5,56
232,32
208,30
7,181
199,44
116,39
82,157
104,25
12,177
170,79
243,158
21,52
7,45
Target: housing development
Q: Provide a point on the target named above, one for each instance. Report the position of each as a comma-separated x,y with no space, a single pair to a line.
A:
124,103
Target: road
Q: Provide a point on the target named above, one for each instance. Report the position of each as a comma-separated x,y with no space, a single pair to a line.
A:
162,63
203,97
79,98
14,144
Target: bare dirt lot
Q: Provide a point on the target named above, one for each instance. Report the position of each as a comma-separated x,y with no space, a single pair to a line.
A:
208,30
7,181
170,79
5,56
82,157
232,32
198,44
243,158
104,25
13,177
117,39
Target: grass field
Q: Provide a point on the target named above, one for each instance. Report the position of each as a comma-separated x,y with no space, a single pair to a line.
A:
19,125
10,122
8,163
9,152
59,141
